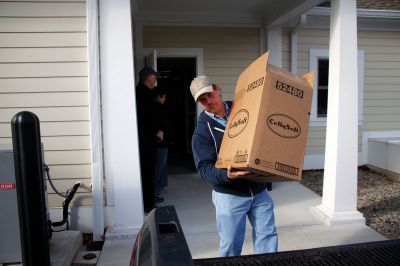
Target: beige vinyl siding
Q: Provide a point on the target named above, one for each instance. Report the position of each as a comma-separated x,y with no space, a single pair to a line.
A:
227,51
43,69
381,95
382,80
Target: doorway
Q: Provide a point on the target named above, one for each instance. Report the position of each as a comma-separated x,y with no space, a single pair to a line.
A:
175,76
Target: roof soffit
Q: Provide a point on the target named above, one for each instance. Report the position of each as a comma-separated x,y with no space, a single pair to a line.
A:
258,13
367,19
255,13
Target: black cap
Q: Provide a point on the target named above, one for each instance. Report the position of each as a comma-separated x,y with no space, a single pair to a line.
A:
145,72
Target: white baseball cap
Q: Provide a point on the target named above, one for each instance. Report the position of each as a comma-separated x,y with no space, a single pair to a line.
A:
200,85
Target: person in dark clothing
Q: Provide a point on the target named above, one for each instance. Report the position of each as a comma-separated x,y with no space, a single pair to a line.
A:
148,134
161,162
233,196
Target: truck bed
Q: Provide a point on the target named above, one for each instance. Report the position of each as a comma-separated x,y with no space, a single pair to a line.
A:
161,242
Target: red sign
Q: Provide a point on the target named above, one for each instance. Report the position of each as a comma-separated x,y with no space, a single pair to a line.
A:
7,186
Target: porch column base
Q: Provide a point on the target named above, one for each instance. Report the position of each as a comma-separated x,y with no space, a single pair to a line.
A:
329,218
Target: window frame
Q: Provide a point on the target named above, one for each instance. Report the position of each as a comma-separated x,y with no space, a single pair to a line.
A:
315,55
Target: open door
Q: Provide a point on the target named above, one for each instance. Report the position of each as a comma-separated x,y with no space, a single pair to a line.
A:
151,60
176,74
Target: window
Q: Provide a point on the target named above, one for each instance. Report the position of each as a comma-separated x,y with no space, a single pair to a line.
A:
319,62
322,93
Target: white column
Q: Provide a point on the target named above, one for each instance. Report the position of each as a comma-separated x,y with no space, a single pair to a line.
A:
339,201
274,46
95,120
121,155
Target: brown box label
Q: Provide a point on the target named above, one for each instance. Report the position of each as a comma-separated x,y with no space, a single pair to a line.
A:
284,126
238,123
255,84
241,156
289,89
286,169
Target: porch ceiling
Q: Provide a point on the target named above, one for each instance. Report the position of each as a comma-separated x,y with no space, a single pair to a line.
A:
229,6
377,14
230,12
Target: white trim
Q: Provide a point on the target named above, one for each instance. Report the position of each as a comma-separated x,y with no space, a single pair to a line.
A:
360,82
316,54
364,13
329,217
366,135
95,119
198,53
263,40
274,43
293,43
371,20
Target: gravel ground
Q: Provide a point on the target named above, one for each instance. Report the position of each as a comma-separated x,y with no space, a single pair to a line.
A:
378,198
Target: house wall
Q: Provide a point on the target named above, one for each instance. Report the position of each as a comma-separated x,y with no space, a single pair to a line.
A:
307,39
382,80
227,51
43,69
381,96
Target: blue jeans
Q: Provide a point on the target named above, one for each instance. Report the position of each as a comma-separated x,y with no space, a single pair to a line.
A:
231,212
161,169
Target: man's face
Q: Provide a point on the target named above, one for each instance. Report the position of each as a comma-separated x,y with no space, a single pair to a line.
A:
151,81
211,101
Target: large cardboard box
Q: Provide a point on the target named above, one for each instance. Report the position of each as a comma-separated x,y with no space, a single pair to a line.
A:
266,132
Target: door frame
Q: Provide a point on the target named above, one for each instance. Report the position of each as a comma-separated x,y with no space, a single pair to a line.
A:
184,52
198,53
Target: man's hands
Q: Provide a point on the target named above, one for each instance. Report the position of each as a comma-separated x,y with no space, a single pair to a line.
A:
235,174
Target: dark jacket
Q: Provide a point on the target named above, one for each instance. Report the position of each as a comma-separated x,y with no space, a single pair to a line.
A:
206,142
163,125
146,115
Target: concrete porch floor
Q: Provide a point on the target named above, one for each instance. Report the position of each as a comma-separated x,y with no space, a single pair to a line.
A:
297,229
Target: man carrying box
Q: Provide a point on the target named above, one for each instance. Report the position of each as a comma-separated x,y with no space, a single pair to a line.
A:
233,196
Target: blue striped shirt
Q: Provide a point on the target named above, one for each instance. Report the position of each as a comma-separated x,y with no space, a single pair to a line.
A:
219,119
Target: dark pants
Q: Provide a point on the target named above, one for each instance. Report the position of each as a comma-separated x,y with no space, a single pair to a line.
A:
147,157
161,169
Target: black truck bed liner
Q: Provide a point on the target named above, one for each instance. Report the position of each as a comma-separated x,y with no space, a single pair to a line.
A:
371,253
161,242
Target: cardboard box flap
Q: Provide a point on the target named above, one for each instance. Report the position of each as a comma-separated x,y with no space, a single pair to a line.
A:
260,63
287,74
256,68
309,77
